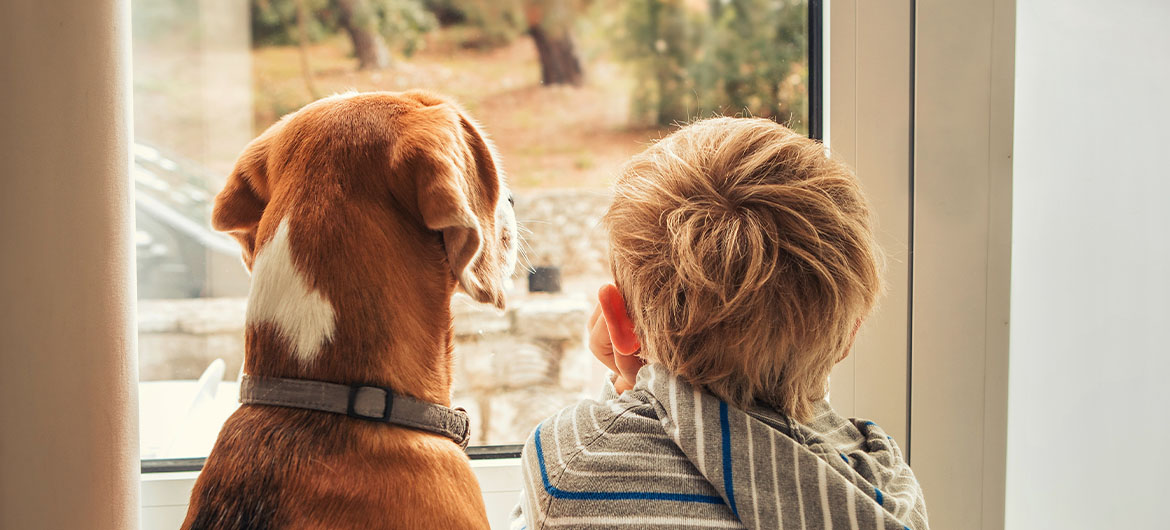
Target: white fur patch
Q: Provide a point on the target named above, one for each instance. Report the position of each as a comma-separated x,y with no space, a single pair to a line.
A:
280,295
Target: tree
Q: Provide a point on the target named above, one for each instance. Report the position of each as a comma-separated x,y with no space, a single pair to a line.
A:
550,26
279,21
549,23
728,57
657,40
760,58
303,47
359,20
375,27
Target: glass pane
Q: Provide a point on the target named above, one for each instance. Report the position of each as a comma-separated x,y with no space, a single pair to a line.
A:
568,90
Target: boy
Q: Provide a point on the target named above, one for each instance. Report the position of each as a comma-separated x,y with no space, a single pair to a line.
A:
744,263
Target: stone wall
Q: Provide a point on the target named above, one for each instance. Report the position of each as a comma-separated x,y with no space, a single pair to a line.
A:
177,339
562,228
512,369
517,368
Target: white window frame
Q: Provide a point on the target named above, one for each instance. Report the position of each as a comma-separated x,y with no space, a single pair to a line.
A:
964,119
920,104
869,75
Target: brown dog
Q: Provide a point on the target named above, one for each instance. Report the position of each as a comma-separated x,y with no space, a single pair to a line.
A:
359,216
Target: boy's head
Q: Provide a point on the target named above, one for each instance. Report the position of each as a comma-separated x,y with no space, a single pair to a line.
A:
746,259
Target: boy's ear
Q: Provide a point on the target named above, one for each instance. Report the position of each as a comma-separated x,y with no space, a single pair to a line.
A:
621,327
852,340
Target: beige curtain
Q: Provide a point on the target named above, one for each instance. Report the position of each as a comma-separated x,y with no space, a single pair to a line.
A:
68,409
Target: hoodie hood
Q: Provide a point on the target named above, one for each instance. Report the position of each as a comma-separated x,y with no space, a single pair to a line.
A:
774,472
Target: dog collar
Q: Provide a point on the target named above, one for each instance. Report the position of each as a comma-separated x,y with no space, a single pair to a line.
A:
364,402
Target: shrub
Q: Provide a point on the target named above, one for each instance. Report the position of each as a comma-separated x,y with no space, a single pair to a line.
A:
726,57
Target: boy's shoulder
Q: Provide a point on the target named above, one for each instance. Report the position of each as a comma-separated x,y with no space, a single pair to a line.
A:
618,439
578,431
608,459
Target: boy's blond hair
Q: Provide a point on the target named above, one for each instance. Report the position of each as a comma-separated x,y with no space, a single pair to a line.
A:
746,258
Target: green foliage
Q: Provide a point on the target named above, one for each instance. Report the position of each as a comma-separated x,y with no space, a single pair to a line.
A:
725,57
403,23
498,21
447,12
502,21
274,21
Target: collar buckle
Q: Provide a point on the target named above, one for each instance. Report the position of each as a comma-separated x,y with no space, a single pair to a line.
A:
465,427
362,393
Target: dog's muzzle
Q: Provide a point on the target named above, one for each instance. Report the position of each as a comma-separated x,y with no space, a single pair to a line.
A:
364,402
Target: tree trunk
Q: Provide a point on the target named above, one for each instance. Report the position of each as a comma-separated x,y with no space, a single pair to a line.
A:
559,64
303,47
368,44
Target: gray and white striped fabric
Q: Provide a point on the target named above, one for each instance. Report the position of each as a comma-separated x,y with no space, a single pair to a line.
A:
666,455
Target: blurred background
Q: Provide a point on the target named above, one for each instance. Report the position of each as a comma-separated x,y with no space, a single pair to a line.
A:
568,90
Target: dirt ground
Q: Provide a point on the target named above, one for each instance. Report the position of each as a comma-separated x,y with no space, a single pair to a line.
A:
548,137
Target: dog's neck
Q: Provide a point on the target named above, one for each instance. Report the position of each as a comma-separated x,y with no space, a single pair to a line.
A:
351,303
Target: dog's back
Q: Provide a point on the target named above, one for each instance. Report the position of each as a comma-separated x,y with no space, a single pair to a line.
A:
340,474
241,488
359,216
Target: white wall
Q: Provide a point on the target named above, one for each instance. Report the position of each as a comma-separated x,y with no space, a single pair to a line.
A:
1088,396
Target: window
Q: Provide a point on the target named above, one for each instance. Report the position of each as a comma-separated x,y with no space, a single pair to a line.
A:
568,90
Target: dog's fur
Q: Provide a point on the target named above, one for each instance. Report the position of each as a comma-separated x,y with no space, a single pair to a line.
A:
359,216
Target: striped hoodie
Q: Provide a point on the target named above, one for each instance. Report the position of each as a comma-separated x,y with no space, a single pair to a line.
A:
666,455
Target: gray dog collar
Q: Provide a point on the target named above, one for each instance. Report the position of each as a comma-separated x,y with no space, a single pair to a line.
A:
364,402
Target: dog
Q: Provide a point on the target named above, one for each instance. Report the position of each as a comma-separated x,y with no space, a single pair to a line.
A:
359,216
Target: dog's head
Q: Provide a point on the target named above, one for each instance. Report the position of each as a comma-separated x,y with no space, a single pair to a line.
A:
409,156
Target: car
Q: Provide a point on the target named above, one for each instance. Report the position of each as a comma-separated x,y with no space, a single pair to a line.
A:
177,252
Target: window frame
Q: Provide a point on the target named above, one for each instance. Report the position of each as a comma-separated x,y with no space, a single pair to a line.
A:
817,119
181,465
869,89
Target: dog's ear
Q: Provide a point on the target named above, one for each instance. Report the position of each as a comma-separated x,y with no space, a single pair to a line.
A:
458,189
241,203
